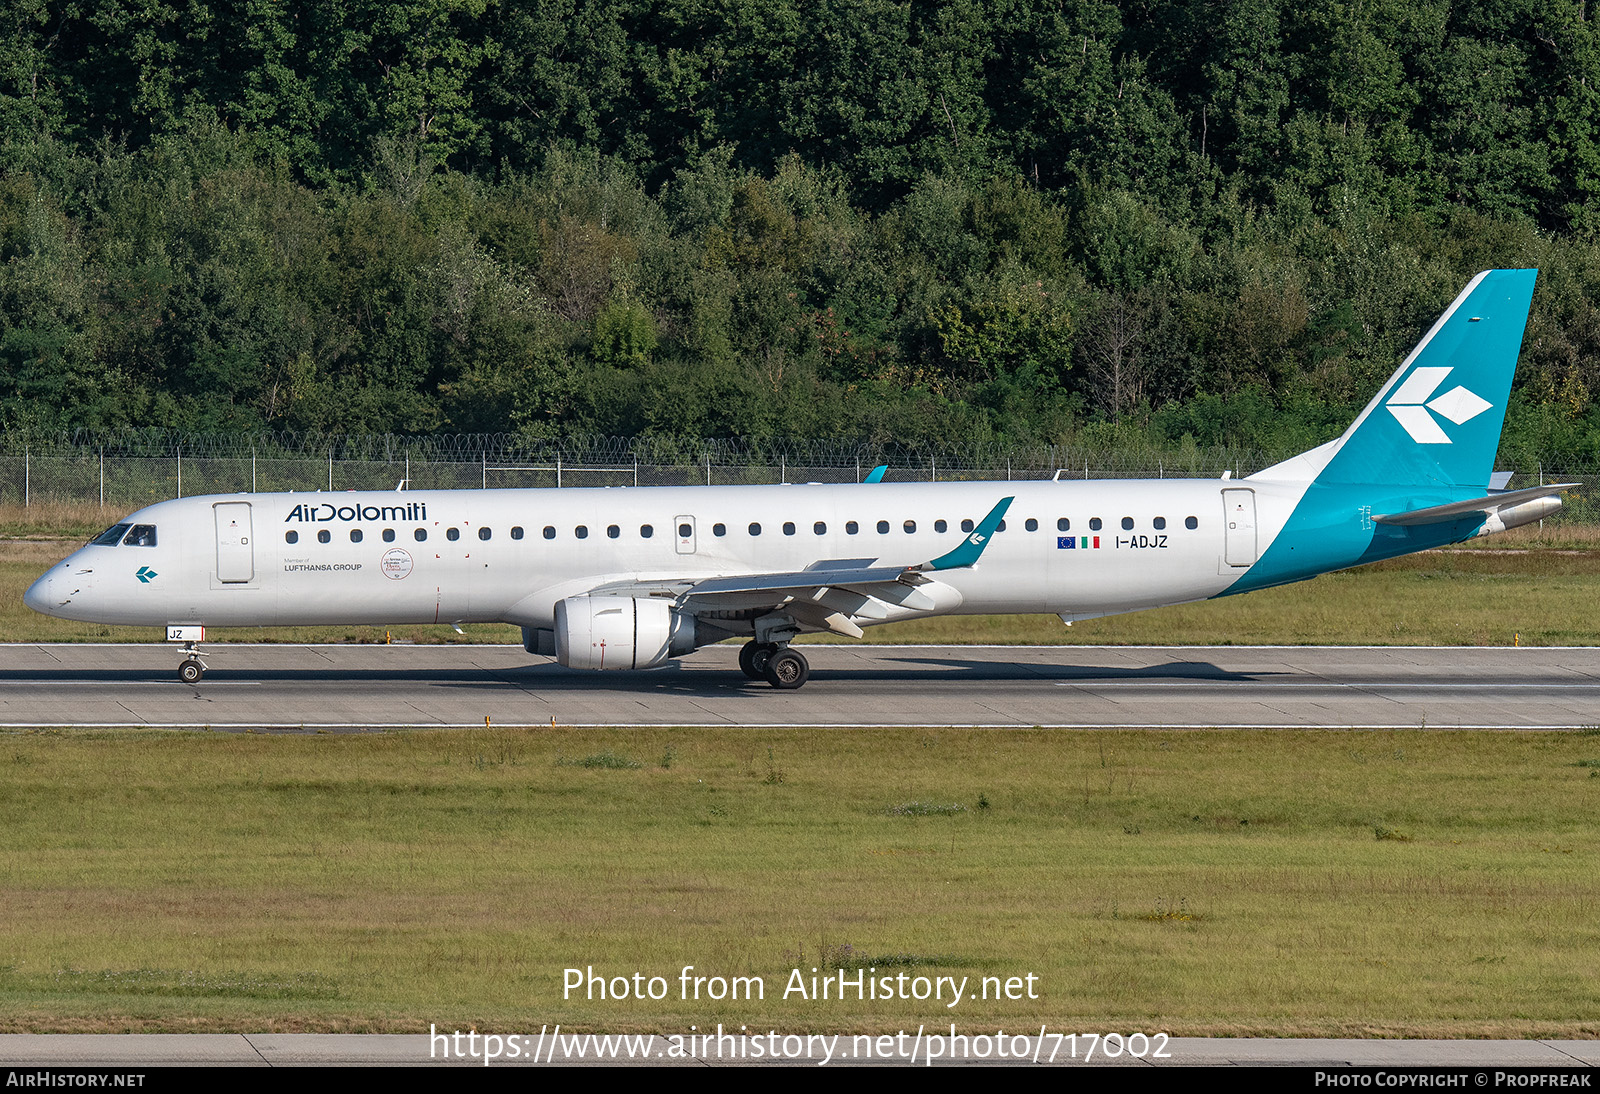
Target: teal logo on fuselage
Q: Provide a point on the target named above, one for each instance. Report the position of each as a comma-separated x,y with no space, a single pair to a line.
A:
146,575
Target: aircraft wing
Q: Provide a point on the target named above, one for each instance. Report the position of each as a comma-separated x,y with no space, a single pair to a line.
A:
826,594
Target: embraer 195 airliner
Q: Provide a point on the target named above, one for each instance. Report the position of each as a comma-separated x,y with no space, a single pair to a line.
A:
628,578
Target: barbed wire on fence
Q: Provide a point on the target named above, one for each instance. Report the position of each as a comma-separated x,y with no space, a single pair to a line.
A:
597,449
131,470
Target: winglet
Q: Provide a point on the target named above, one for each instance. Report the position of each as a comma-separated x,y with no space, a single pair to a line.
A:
877,473
967,552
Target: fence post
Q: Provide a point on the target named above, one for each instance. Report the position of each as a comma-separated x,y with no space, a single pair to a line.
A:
178,453
27,478
330,470
558,473
102,478
252,469
485,456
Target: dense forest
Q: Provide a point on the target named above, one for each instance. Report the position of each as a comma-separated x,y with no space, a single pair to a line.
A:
1011,221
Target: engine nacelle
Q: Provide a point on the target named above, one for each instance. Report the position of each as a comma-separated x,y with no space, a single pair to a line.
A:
620,632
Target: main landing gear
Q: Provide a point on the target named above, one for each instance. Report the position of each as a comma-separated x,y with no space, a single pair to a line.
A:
781,666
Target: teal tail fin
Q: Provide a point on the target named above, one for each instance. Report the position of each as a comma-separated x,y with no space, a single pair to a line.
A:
1437,422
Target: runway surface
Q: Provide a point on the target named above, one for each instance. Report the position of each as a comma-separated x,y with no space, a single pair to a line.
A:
353,687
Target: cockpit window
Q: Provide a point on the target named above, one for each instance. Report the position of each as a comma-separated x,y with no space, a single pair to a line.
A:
143,535
110,537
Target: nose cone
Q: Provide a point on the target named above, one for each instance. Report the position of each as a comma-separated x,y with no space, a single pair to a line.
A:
38,596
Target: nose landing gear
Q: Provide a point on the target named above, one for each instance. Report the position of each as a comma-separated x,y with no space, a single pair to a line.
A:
193,668
194,665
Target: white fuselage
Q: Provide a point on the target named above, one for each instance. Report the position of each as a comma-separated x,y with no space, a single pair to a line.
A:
389,558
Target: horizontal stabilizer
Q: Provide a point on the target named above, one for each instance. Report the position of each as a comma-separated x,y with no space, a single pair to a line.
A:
1440,514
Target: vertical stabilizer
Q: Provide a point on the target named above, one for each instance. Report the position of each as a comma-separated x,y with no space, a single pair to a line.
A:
1436,423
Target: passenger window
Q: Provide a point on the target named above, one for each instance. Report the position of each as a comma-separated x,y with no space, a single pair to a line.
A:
883,527
755,529
516,532
646,531
356,535
420,535
719,529
685,531
966,526
1190,523
788,527
1159,523
821,528
1127,524
113,536
452,534
485,532
851,528
941,526
612,531
291,536
581,531
1001,527
1094,524
911,527
388,535
549,532
143,535
1031,525
1063,524
323,535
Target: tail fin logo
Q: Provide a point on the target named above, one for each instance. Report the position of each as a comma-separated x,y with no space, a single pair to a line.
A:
1413,409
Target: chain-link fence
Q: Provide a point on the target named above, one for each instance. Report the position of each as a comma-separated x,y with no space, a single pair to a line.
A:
126,472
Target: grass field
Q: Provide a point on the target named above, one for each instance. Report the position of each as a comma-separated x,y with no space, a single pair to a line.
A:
1282,883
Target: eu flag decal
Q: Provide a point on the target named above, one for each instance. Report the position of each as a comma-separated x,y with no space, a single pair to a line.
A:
1066,543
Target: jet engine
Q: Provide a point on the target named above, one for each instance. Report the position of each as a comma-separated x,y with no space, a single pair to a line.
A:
620,632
